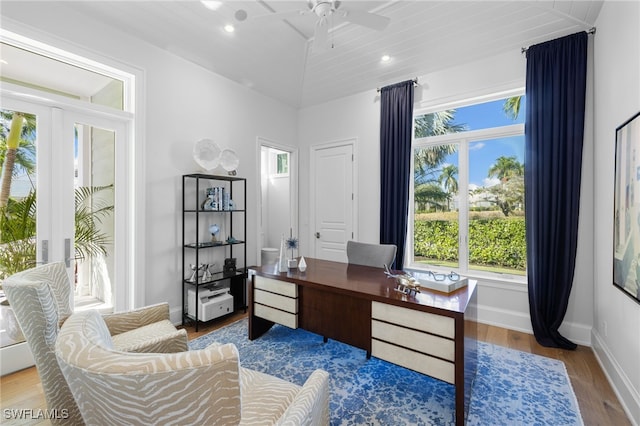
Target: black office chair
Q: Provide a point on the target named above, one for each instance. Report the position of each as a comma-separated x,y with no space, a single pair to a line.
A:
377,255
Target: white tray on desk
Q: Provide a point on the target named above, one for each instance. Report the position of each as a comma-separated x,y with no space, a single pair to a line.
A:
426,280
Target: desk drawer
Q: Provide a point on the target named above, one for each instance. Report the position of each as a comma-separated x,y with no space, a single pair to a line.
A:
425,364
277,301
281,317
415,340
275,286
424,321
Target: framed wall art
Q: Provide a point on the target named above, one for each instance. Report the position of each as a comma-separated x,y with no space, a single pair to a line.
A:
626,223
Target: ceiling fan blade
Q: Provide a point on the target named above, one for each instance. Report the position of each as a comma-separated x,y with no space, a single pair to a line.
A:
366,19
321,35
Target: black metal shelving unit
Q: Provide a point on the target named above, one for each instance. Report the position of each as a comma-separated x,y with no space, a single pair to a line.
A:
193,244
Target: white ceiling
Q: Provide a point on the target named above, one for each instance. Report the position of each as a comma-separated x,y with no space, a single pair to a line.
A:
276,57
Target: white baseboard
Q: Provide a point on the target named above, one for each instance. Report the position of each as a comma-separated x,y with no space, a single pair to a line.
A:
628,396
520,321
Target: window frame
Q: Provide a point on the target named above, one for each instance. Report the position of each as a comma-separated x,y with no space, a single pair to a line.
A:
463,140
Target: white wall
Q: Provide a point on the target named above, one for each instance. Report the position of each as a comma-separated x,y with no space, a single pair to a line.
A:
501,303
616,331
183,103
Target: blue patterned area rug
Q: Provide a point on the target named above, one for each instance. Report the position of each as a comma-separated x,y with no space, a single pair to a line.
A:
511,388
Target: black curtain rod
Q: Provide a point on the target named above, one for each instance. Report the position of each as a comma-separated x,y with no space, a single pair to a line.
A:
415,83
591,30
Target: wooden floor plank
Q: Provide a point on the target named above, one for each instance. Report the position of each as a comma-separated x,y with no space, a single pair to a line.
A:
596,399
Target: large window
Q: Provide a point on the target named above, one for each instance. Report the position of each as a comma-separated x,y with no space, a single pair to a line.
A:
468,189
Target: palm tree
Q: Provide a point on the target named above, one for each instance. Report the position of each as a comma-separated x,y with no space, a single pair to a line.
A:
17,151
511,107
427,160
448,179
18,229
505,168
437,123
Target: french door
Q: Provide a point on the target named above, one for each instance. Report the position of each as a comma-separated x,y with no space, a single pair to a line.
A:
78,155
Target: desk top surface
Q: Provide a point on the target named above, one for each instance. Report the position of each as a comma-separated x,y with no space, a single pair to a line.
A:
369,282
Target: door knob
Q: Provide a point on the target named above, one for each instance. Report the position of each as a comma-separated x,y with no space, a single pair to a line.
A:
317,235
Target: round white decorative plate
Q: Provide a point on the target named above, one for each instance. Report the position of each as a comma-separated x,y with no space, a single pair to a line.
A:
207,154
229,160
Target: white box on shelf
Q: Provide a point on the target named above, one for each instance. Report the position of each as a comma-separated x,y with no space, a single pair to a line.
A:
212,303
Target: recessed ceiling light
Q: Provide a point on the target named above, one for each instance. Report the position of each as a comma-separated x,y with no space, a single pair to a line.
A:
211,4
229,28
385,58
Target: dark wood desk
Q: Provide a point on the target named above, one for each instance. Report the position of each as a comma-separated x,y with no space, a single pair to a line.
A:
436,332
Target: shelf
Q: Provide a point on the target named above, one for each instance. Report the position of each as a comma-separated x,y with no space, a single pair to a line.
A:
214,177
196,246
218,276
214,211
212,244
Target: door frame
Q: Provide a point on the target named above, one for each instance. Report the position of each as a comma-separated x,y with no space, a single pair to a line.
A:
262,142
353,142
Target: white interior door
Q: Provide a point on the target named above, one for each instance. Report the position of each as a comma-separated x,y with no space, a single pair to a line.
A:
332,199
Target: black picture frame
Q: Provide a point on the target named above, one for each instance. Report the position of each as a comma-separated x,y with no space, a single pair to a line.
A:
626,205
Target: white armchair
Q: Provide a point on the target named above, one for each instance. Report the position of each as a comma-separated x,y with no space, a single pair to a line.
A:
41,300
203,387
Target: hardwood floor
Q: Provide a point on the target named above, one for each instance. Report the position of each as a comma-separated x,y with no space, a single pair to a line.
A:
598,403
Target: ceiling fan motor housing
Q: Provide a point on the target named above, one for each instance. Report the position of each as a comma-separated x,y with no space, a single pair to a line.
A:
323,8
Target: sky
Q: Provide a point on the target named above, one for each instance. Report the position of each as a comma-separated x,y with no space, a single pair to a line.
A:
482,154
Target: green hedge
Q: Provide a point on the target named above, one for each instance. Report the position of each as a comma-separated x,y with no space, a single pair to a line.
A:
493,242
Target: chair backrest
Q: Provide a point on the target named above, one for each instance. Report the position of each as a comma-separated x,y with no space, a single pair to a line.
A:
41,301
114,387
370,254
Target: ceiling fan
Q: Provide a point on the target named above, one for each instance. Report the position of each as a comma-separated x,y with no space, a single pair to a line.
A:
330,12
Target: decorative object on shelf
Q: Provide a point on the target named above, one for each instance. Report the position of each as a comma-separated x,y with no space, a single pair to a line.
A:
207,153
302,265
229,161
282,260
206,274
292,244
232,240
229,265
214,230
194,274
218,198
201,270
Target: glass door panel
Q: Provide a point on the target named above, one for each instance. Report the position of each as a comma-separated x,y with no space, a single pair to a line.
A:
94,184
18,207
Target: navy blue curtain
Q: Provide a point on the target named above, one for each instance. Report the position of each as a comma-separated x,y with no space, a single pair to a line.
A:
554,129
396,125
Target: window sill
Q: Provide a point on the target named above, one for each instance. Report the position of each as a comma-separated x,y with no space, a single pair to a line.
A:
512,283
502,281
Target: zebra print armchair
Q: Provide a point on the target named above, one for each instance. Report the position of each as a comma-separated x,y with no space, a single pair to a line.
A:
41,300
202,387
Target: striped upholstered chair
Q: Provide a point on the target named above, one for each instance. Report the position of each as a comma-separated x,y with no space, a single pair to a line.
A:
200,387
41,300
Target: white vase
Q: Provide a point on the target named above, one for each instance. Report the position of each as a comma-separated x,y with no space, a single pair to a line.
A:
282,261
302,265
